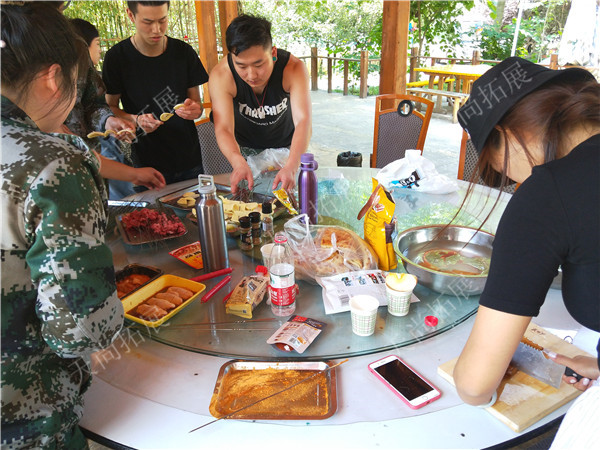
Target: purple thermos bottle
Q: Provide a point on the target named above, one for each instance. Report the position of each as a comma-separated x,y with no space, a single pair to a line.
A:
307,187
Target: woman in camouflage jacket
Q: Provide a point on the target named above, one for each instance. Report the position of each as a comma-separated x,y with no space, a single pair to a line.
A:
59,302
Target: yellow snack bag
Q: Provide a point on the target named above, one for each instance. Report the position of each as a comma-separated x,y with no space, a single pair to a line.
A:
283,197
379,225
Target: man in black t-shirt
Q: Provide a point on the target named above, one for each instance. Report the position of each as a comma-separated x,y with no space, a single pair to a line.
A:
150,73
260,99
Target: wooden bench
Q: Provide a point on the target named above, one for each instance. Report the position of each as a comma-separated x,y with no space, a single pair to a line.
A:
458,98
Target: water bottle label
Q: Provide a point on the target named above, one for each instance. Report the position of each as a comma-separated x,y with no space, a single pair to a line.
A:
282,296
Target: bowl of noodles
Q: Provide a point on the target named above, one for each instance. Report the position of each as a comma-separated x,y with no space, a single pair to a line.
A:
448,259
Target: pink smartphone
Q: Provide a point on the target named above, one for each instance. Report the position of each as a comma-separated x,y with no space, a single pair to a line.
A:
402,380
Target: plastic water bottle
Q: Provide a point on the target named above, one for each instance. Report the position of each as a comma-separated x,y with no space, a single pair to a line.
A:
211,226
282,284
308,187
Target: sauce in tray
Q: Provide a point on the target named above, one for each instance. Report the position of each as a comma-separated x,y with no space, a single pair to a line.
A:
453,262
241,388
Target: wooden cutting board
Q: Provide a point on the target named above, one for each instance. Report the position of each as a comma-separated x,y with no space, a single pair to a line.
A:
523,400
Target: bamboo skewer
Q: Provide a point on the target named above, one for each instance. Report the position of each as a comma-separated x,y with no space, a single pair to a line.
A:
268,396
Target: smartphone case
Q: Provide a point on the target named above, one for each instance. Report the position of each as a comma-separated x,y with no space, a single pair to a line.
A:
398,394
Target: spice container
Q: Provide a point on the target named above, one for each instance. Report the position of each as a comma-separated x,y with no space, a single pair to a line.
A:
267,222
246,233
256,227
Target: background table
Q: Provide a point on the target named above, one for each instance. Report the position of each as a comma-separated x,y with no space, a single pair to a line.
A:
463,76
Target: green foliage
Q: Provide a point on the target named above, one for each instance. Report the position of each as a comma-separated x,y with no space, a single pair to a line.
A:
539,32
110,18
335,27
437,23
496,42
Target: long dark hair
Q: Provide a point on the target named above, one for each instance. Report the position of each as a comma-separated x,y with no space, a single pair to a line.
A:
550,113
36,35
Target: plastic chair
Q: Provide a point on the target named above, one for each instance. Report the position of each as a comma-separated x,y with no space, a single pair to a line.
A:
213,160
467,162
399,128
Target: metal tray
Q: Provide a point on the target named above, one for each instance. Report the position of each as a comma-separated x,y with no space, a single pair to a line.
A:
241,383
170,200
144,236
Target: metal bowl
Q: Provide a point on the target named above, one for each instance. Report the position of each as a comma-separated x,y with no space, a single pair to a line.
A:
410,244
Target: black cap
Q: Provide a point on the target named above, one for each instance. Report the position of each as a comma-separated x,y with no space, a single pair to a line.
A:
267,207
254,217
498,89
245,221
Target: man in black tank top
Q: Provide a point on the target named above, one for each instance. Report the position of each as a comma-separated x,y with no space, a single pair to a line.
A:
260,99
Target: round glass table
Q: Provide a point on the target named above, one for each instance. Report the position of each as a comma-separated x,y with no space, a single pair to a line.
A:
206,328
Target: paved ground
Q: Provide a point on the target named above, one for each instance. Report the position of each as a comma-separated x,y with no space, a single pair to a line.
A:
345,123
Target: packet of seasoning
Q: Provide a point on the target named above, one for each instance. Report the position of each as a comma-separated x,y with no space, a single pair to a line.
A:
296,334
287,200
248,293
379,225
190,254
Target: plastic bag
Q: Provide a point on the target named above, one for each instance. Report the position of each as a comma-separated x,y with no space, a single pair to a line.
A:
415,172
323,250
268,160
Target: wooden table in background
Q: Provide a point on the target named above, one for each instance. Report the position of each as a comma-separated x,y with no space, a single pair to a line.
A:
463,74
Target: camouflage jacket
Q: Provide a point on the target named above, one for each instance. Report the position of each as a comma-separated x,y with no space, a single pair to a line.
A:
58,295
90,111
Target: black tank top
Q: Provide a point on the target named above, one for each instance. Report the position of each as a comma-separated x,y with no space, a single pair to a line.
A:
269,125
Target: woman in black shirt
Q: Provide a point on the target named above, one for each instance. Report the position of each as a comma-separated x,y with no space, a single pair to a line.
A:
539,127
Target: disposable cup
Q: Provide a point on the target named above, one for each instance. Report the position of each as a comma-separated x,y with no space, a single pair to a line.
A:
398,301
363,311
266,251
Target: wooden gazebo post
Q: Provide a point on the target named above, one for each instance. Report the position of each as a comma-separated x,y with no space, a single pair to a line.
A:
394,46
207,34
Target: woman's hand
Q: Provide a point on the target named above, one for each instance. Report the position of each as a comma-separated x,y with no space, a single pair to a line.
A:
126,127
585,366
148,177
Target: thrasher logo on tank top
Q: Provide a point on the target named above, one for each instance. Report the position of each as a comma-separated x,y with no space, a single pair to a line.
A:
262,112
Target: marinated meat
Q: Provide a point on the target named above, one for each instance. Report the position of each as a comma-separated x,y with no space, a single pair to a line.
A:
170,297
161,303
153,221
181,292
150,312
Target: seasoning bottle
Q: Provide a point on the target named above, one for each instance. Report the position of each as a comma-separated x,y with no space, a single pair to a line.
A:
282,284
267,222
245,233
211,226
256,227
307,187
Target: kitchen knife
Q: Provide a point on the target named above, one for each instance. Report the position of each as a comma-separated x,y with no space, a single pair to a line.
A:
530,359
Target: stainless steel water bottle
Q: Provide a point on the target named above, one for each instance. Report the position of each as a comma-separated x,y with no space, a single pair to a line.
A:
211,226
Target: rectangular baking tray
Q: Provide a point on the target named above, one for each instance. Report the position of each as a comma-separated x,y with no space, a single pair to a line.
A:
144,236
132,301
308,400
137,269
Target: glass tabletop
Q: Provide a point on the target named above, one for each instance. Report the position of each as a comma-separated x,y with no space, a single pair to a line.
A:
206,328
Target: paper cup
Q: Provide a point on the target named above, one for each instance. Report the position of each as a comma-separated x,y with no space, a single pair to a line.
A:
398,301
266,251
363,310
